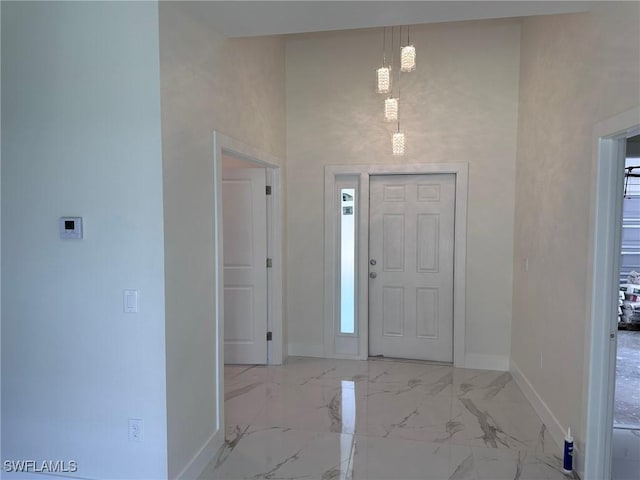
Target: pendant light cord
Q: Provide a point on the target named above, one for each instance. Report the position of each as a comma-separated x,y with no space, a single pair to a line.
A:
392,35
391,65
398,82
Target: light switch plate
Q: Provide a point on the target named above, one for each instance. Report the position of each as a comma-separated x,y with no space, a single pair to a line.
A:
130,301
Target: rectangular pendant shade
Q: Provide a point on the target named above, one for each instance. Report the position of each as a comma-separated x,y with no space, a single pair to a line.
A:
398,143
408,58
391,110
383,80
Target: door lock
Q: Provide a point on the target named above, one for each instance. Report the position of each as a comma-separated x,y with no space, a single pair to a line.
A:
373,261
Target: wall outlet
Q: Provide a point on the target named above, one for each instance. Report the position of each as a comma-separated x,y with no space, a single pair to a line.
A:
135,430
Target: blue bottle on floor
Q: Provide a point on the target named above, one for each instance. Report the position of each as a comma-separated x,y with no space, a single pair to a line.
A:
567,458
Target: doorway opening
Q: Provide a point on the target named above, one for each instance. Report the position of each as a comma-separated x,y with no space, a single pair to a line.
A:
245,206
609,146
626,414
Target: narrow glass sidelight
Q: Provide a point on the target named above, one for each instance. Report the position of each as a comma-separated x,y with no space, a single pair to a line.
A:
347,260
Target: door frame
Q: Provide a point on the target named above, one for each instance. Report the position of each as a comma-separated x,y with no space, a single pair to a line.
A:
605,228
356,346
223,144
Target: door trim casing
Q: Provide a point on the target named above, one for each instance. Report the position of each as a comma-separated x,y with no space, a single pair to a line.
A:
333,173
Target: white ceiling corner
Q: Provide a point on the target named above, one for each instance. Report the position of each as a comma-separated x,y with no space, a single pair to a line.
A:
253,18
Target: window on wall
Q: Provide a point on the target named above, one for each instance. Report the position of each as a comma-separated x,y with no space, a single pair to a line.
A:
347,260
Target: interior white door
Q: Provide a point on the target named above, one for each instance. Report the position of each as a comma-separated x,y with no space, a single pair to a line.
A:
245,270
411,240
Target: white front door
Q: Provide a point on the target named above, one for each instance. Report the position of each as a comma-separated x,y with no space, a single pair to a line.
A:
245,270
411,240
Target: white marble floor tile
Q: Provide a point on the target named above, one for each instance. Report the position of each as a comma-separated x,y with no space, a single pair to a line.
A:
502,464
243,404
280,453
389,410
384,459
305,407
512,425
436,377
486,386
381,420
237,376
319,371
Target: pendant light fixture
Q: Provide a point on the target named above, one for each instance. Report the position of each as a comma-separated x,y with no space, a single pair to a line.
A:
398,139
408,56
398,143
391,104
384,79
383,73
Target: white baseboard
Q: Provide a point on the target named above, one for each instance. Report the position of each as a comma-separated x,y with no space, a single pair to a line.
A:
201,459
305,350
546,415
472,360
487,362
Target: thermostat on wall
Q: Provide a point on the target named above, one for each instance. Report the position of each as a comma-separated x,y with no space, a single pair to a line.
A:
70,228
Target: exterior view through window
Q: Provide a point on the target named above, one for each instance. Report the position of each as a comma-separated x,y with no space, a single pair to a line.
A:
347,260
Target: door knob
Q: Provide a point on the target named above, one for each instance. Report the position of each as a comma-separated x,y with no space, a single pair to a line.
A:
373,275
373,261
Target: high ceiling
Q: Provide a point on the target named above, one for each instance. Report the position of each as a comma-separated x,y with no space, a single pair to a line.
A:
251,18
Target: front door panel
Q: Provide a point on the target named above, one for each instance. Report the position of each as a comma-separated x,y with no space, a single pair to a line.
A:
411,239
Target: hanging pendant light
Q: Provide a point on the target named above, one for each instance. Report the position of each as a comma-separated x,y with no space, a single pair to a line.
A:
398,144
398,141
383,80
408,56
383,73
391,106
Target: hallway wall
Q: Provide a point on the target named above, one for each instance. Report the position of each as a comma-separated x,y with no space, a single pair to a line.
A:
208,82
576,70
460,105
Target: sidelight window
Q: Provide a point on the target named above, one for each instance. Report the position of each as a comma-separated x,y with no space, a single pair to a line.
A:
347,260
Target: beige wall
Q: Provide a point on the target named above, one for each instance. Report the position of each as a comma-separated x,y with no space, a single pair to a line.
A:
576,70
459,106
236,87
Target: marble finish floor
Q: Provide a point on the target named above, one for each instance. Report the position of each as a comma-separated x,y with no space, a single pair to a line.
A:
381,420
